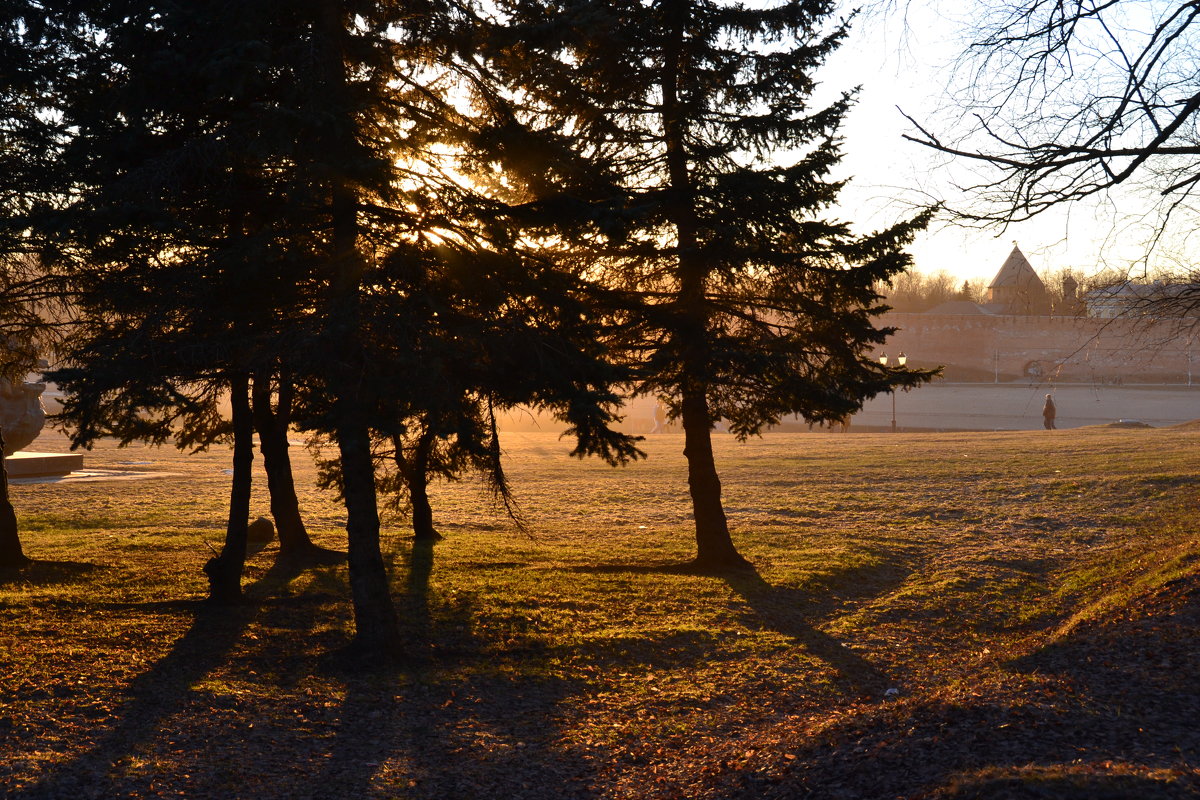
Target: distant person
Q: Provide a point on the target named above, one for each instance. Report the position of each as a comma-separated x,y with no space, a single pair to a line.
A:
1048,413
660,419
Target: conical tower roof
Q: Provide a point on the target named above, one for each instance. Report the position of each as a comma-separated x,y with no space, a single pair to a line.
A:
1016,273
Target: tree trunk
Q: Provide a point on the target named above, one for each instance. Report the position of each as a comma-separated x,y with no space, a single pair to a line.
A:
714,546
272,427
418,490
377,628
225,570
11,554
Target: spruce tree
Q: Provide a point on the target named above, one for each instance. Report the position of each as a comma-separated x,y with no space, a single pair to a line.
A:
478,327
31,65
255,198
227,163
675,146
492,330
163,242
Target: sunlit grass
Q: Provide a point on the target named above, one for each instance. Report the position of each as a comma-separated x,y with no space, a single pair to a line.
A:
923,564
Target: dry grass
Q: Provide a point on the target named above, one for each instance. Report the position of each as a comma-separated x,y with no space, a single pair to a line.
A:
1026,594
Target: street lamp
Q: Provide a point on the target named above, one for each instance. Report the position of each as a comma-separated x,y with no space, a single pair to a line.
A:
900,362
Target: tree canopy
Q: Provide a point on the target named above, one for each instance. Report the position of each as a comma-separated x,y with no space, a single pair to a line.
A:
251,196
680,140
399,218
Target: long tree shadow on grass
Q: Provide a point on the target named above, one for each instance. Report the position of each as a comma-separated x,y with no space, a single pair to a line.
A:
39,572
373,727
1107,712
153,696
786,610
286,568
449,721
166,689
791,611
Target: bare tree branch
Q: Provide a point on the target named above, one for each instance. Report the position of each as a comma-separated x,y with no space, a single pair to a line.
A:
1069,99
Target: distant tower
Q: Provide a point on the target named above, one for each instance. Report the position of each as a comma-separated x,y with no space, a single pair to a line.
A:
1017,289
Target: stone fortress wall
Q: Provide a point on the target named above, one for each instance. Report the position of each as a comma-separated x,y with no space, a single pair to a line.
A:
1000,348
1000,358
1016,335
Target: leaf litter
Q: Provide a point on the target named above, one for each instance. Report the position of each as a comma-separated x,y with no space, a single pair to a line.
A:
1019,623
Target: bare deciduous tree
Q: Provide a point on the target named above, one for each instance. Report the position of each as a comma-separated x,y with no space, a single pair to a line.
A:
1072,98
915,291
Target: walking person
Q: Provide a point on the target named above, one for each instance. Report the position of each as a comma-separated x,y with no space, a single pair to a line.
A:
1049,412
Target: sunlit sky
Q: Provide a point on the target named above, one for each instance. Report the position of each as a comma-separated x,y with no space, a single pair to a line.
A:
908,63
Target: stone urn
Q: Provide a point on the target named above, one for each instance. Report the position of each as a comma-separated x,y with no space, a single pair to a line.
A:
22,415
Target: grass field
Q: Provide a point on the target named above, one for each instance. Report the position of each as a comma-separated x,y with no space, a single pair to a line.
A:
931,616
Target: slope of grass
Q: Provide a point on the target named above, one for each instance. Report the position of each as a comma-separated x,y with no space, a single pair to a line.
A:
953,615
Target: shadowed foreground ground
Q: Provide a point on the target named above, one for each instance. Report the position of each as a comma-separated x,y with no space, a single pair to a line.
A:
946,616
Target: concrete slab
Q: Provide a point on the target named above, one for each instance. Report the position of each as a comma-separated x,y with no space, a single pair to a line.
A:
32,465
94,476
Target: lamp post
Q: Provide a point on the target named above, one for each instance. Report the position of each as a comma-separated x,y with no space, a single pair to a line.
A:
900,362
